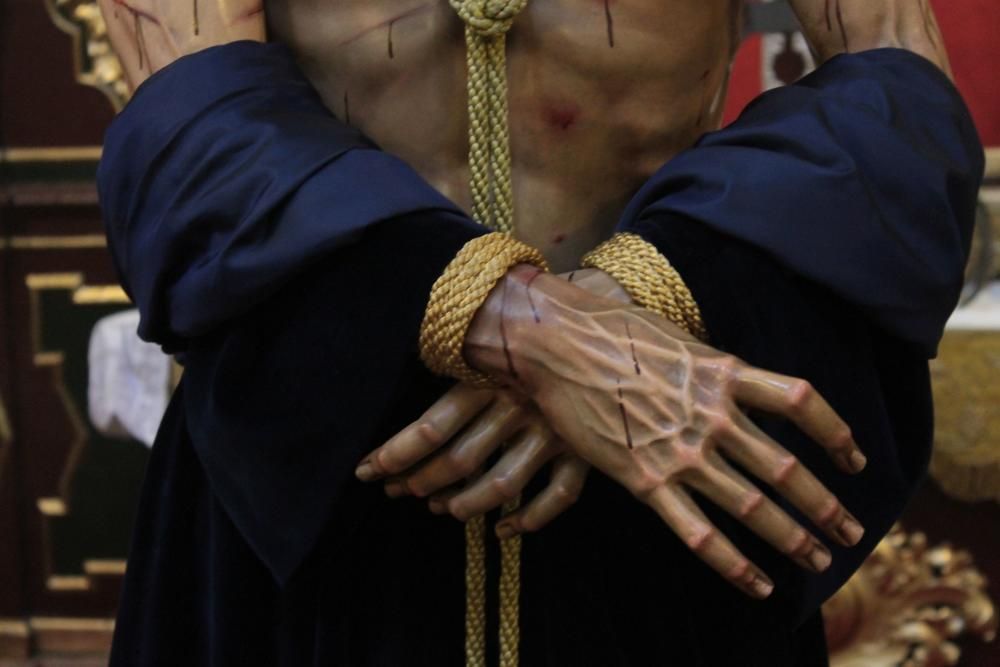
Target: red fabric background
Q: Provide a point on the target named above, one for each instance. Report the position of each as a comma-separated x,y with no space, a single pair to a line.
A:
971,30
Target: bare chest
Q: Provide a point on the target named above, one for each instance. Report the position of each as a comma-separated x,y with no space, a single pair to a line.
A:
601,93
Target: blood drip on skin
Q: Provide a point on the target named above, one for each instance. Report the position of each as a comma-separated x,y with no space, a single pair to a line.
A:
503,332
631,344
531,300
704,97
138,15
610,23
389,41
624,413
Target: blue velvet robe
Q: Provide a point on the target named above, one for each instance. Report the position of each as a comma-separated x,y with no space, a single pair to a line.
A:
289,259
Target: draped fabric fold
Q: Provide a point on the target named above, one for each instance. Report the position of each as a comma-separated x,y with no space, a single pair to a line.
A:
862,177
225,176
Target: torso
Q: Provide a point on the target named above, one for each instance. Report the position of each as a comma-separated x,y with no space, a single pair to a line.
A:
601,95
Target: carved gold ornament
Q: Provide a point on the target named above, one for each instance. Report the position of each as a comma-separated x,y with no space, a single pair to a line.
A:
907,605
95,63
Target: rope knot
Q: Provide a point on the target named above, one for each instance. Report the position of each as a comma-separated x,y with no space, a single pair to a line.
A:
488,18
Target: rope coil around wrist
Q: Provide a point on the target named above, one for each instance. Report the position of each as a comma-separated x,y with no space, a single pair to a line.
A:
649,279
459,292
486,26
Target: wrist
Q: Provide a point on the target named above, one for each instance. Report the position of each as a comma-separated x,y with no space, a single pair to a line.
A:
535,329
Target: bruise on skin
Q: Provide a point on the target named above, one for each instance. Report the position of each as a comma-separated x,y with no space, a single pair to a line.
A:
562,117
840,22
194,17
624,413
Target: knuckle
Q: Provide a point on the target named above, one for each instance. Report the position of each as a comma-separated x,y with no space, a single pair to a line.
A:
799,395
504,487
740,570
797,542
645,482
752,502
416,487
566,494
459,463
843,440
719,425
785,468
459,509
828,512
430,434
700,540
531,523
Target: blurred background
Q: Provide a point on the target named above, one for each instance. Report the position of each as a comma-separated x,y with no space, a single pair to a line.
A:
80,395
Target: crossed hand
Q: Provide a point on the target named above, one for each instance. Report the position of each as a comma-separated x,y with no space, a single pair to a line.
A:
605,384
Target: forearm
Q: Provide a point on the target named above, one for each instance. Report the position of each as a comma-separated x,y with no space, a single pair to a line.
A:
833,27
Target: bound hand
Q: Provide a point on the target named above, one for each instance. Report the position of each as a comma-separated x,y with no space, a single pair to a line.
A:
452,442
663,415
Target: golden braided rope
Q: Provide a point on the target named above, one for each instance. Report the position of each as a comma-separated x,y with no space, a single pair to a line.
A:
486,26
459,292
510,594
649,278
475,592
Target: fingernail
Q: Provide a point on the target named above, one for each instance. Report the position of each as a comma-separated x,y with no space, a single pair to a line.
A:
437,506
505,531
761,587
394,489
820,558
365,472
858,461
851,531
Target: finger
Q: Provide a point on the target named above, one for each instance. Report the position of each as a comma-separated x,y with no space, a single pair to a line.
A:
468,451
426,435
531,450
799,401
569,474
765,459
679,511
728,489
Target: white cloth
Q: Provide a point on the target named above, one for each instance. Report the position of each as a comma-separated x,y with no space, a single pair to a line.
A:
129,383
981,314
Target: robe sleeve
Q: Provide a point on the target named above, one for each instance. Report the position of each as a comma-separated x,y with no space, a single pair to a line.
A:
225,176
824,236
290,261
862,177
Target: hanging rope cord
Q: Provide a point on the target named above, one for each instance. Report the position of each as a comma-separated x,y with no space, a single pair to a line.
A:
486,26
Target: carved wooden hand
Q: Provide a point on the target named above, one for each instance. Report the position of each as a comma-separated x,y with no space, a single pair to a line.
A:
663,415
